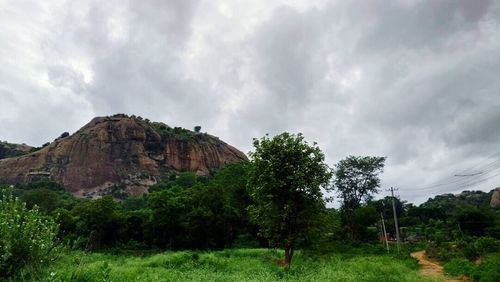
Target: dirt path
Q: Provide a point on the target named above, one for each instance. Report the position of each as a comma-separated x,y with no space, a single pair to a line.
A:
430,268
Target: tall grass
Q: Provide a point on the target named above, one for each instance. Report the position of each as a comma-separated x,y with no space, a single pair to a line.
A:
227,265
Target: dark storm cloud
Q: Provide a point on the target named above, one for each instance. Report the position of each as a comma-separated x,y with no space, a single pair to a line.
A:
415,81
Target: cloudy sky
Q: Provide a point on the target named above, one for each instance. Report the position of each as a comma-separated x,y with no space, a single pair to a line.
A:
416,81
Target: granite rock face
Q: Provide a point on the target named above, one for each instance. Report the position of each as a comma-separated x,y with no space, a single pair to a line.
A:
120,152
495,198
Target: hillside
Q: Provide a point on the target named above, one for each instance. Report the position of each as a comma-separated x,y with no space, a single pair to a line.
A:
451,201
119,152
8,150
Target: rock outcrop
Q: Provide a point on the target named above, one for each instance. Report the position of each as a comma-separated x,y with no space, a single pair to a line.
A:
495,198
120,152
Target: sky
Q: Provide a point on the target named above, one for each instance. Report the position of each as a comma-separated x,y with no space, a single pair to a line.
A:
416,81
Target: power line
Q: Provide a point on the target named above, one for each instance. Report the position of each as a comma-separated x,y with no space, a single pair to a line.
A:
486,169
463,183
480,181
477,173
477,164
475,167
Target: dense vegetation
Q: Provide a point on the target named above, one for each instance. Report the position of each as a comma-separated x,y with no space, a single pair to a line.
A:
218,224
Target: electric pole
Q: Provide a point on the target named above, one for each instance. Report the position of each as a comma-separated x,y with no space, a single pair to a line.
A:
385,233
395,219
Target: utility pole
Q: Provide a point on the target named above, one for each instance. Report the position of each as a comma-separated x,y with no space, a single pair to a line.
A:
385,233
395,219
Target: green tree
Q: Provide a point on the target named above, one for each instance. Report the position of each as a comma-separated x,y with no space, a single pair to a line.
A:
356,180
169,210
100,221
285,181
473,220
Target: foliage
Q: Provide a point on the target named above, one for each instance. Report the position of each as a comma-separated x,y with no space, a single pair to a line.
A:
47,200
64,135
169,210
45,194
228,265
188,213
486,245
133,203
8,150
42,183
178,133
473,220
26,237
99,221
458,267
488,270
356,180
286,177
183,179
362,219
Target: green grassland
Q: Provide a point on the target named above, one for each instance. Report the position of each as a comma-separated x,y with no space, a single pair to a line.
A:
226,265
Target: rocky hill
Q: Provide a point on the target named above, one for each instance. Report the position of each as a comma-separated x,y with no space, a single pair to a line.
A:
119,152
8,150
451,201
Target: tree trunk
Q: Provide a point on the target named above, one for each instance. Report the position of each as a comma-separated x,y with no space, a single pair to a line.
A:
288,256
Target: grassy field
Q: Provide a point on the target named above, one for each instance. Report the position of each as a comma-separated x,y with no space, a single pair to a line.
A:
227,265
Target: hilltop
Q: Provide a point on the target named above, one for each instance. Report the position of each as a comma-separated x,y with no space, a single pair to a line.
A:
119,152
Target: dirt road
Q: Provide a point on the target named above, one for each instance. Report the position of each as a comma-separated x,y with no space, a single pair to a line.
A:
430,268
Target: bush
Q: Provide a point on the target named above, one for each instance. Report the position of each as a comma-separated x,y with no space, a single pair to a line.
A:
488,271
26,237
486,245
459,266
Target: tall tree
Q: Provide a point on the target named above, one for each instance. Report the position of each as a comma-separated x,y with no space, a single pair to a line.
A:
285,180
356,180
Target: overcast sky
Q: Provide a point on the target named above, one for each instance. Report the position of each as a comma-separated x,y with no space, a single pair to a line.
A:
416,81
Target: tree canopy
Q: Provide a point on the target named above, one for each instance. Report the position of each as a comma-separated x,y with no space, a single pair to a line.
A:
356,180
285,181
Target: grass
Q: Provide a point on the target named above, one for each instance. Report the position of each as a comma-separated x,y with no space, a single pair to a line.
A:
226,265
487,270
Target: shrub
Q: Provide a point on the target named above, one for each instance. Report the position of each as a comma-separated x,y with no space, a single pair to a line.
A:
26,237
459,266
486,245
488,271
